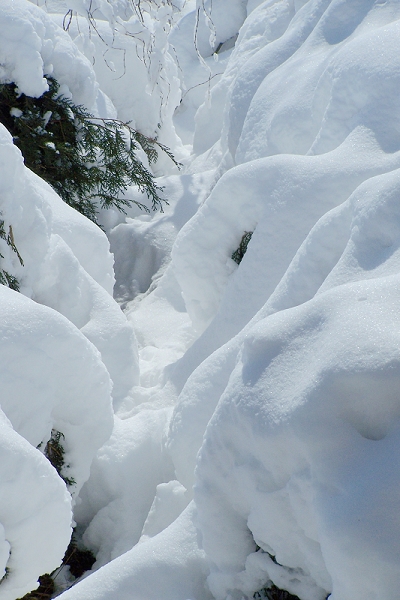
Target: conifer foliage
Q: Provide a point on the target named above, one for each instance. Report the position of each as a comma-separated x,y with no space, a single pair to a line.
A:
5,277
54,452
89,162
239,253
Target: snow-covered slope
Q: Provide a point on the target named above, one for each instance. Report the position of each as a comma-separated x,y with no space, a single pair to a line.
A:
67,350
258,443
287,383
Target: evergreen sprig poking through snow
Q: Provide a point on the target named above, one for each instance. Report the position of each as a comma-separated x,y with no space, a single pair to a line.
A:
5,277
273,593
54,451
237,256
88,161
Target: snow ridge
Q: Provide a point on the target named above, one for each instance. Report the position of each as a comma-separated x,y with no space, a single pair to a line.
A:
237,426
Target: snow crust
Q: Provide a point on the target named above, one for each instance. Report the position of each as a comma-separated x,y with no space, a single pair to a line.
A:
255,432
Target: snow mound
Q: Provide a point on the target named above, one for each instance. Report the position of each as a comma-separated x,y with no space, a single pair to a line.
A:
320,119
287,421
67,263
302,397
35,514
169,566
47,234
311,405
301,402
53,379
114,507
33,46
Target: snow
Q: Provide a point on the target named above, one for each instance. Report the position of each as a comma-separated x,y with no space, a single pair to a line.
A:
134,68
32,46
111,507
35,514
63,336
44,346
233,426
169,566
323,398
52,379
52,273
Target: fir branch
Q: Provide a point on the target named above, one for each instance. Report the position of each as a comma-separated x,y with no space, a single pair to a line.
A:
5,277
239,253
90,162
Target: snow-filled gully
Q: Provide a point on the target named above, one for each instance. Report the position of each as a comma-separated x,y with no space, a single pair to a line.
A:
235,429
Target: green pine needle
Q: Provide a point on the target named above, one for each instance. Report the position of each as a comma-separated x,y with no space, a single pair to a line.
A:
90,162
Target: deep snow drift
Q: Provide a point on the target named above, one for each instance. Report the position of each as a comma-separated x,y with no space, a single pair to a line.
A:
257,417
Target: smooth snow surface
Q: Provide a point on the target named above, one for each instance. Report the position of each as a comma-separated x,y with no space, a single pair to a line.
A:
170,566
256,427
